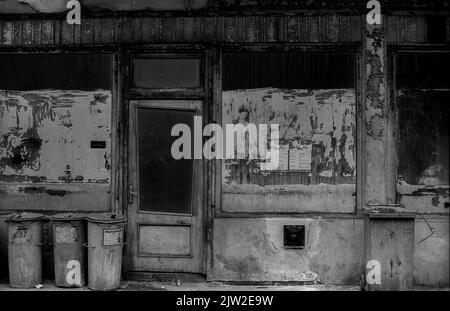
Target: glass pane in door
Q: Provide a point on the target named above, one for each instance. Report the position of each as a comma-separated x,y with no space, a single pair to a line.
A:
165,184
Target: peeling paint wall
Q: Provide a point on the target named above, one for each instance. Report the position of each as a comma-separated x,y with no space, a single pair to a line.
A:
51,140
322,121
374,115
46,136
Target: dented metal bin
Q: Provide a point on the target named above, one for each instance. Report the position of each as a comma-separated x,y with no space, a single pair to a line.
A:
389,248
69,235
25,250
105,245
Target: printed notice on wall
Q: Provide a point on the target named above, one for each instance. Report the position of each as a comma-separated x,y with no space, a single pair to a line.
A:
300,157
294,159
112,237
305,157
283,163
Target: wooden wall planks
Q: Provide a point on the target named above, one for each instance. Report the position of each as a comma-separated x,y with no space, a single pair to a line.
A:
406,29
331,28
198,29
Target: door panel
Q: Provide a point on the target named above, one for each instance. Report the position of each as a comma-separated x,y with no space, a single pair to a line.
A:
172,193
165,197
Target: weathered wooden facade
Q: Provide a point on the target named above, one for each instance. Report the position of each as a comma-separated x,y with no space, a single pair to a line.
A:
338,87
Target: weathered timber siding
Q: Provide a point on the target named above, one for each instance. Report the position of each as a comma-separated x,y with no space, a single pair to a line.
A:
411,29
400,29
229,29
14,7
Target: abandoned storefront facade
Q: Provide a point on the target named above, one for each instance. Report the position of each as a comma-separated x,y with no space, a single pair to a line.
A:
86,113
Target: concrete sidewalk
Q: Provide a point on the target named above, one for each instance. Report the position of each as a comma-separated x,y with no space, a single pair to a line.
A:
196,286
49,285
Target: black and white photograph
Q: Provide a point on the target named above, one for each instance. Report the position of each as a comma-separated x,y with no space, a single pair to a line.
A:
224,152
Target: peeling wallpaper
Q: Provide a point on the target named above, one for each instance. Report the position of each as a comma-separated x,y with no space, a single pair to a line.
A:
323,119
46,135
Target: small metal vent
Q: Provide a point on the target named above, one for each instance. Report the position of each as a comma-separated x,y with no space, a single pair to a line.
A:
98,144
294,236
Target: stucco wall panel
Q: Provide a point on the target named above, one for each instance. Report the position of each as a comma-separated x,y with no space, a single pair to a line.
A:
431,253
289,198
252,250
54,197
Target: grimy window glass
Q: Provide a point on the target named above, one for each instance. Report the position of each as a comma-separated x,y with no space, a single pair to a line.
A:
167,73
65,71
55,121
288,70
423,97
312,96
165,184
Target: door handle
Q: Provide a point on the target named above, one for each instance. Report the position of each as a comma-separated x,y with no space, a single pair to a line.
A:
131,194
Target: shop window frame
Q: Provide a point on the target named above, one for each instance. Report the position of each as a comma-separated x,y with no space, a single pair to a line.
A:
114,185
393,195
354,49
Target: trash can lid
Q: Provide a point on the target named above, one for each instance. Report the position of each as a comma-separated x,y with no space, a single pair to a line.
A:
25,217
67,216
106,218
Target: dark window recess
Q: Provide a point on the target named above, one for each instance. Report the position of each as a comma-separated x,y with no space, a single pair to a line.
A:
288,70
423,70
71,71
436,28
167,73
423,89
294,236
165,184
424,137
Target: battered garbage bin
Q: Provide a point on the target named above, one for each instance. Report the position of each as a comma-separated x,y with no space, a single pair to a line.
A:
25,250
389,247
69,235
105,244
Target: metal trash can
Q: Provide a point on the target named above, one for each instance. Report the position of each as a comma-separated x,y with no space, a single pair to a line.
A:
69,235
105,245
389,248
25,250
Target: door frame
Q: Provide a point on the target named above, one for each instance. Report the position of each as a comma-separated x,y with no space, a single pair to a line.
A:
129,93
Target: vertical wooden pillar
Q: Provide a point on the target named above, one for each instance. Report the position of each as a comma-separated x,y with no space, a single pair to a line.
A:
389,231
374,113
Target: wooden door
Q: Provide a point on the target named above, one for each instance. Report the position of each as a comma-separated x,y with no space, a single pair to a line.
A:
165,209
